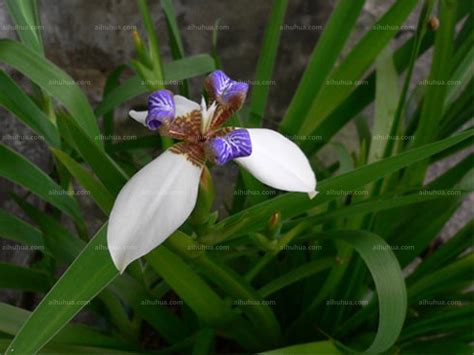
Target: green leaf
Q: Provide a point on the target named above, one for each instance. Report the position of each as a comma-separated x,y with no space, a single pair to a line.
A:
266,62
97,190
446,253
397,124
346,163
320,347
60,349
58,240
453,176
21,171
386,100
93,270
355,65
24,14
296,275
441,346
462,73
129,89
322,61
188,67
103,166
13,228
25,279
293,204
204,342
459,112
364,94
151,141
174,71
111,83
417,233
458,271
435,97
52,80
176,44
375,204
261,315
12,318
152,40
445,320
389,284
196,293
14,99
164,320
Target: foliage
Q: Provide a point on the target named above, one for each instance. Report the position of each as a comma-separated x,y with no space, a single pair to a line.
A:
278,275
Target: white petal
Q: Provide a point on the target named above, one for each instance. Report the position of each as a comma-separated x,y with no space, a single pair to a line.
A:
278,162
184,105
151,206
139,116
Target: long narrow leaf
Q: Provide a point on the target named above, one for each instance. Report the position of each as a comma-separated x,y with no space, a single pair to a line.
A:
21,171
323,59
266,62
14,99
52,80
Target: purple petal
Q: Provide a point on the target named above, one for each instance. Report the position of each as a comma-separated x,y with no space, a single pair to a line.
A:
235,89
224,89
161,107
235,144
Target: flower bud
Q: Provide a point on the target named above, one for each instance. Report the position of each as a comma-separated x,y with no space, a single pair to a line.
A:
274,225
433,23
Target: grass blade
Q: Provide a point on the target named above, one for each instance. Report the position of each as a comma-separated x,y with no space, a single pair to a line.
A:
389,284
355,65
266,62
177,70
176,44
25,279
293,204
199,296
97,190
386,99
104,167
15,229
14,99
296,275
435,97
24,15
12,318
320,347
21,171
322,61
52,80
93,270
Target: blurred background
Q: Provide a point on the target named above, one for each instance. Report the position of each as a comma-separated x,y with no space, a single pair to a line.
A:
89,39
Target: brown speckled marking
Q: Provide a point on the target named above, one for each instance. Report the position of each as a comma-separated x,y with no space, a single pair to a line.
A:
223,131
186,127
192,151
225,110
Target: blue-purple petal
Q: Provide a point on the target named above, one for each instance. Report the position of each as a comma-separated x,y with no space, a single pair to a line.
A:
161,107
224,89
235,144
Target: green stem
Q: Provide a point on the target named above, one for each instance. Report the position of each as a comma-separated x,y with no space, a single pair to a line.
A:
259,313
152,40
280,245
